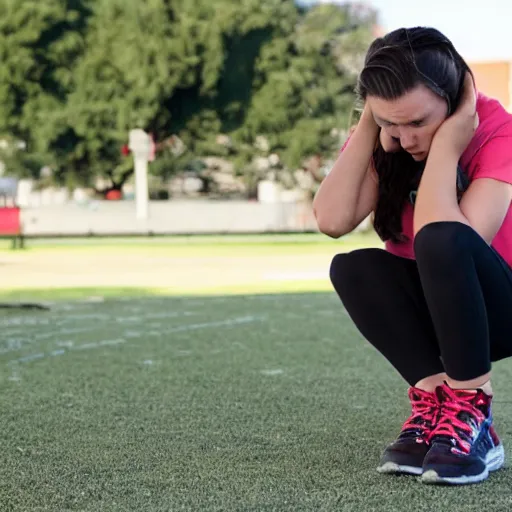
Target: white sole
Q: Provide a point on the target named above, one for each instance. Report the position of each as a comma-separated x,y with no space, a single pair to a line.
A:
391,468
494,461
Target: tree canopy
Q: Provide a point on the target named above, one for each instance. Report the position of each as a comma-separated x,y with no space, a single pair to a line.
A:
237,79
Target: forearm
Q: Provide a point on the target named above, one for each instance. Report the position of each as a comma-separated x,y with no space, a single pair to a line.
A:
437,194
336,201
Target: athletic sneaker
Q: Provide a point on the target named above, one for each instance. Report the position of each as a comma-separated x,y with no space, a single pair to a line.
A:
406,453
464,445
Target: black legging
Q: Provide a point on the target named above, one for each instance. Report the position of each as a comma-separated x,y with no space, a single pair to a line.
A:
448,311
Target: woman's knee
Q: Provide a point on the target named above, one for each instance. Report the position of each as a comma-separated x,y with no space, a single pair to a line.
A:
339,270
440,243
351,271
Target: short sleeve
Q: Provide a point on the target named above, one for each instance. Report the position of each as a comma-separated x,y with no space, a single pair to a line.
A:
344,145
495,159
351,131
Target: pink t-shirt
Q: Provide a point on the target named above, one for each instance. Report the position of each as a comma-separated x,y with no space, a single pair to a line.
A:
488,155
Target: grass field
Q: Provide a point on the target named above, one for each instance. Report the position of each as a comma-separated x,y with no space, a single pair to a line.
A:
171,266
177,387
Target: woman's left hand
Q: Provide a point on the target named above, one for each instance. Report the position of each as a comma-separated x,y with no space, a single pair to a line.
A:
458,129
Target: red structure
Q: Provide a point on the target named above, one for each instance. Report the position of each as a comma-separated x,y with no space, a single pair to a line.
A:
10,213
10,221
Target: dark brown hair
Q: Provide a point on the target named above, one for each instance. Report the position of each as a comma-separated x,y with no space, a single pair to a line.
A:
395,64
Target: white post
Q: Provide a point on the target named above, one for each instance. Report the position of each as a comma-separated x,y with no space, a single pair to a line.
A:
140,145
141,188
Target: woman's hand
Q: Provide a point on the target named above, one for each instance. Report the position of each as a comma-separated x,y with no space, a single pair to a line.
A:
388,143
457,130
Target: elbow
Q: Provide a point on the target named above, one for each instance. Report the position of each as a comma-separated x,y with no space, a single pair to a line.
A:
331,228
333,233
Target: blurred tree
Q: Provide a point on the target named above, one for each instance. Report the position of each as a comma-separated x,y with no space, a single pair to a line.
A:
131,64
230,35
305,83
287,79
238,79
39,43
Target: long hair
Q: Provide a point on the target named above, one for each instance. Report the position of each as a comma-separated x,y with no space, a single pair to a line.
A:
395,64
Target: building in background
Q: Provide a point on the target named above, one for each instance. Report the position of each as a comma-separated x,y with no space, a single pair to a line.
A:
494,79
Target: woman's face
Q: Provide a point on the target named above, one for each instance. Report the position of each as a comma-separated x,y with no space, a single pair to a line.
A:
413,118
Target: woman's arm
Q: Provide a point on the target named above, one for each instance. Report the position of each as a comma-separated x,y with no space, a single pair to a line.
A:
348,194
483,206
487,200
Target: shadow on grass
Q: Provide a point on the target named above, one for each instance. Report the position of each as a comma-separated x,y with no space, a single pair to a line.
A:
84,293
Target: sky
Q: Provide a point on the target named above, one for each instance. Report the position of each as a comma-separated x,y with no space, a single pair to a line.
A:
481,30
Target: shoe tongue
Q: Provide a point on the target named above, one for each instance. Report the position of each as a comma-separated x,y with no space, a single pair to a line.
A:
476,398
466,394
444,393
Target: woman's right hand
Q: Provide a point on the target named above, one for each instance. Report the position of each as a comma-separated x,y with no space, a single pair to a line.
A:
388,143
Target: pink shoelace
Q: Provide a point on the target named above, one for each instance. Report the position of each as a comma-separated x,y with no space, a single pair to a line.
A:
450,425
424,411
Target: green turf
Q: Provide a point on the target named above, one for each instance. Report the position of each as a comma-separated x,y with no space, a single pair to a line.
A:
44,295
50,269
202,242
239,403
58,294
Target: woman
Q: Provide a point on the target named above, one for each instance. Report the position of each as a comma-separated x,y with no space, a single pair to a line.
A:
432,159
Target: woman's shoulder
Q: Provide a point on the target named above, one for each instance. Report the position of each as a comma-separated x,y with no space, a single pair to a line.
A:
493,136
489,154
494,118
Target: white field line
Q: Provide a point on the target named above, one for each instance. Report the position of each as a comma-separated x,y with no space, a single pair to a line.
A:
69,346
